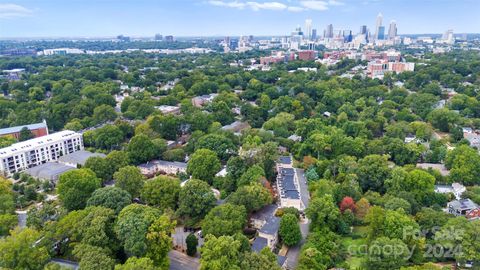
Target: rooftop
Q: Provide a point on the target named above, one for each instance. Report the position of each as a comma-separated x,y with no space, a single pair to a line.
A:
49,171
236,126
285,160
5,131
34,143
79,157
271,226
259,243
463,204
281,260
154,163
265,212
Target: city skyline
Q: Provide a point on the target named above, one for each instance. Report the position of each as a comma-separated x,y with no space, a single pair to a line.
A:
141,18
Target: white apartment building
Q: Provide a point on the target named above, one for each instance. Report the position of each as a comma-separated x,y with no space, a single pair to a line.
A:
24,155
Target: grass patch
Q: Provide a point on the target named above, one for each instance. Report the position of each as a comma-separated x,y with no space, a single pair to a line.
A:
353,245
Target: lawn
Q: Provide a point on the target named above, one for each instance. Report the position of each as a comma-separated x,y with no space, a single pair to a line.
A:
353,245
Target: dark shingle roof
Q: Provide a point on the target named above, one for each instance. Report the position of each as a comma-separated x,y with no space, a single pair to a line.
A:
259,243
285,160
271,226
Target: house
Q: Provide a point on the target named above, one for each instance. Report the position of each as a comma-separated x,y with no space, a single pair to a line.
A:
456,188
287,187
78,158
439,167
202,100
163,167
236,126
38,130
260,217
411,138
473,138
464,207
269,231
166,109
284,162
295,138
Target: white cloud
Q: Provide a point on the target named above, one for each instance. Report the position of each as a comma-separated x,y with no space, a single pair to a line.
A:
234,4
314,4
335,3
13,10
303,5
295,9
267,5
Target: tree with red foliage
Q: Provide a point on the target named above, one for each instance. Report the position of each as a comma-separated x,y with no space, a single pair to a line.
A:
347,203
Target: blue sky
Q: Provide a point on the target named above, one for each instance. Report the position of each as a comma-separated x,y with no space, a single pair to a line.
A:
73,18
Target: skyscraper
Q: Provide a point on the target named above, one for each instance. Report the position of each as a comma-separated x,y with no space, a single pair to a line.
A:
329,31
392,30
308,29
378,25
381,33
363,29
314,34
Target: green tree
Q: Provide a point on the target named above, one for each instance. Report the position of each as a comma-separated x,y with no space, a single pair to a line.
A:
226,219
38,218
195,200
92,258
464,163
141,149
132,227
159,240
161,192
130,179
192,243
323,212
110,197
75,187
443,119
372,171
134,263
381,257
107,137
168,126
265,259
19,251
220,253
311,258
7,199
253,175
6,141
25,134
322,250
395,203
253,197
117,160
104,113
311,175
101,167
7,223
289,230
90,226
223,146
203,164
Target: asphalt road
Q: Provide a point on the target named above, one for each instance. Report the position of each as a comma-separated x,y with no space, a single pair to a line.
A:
180,261
302,182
